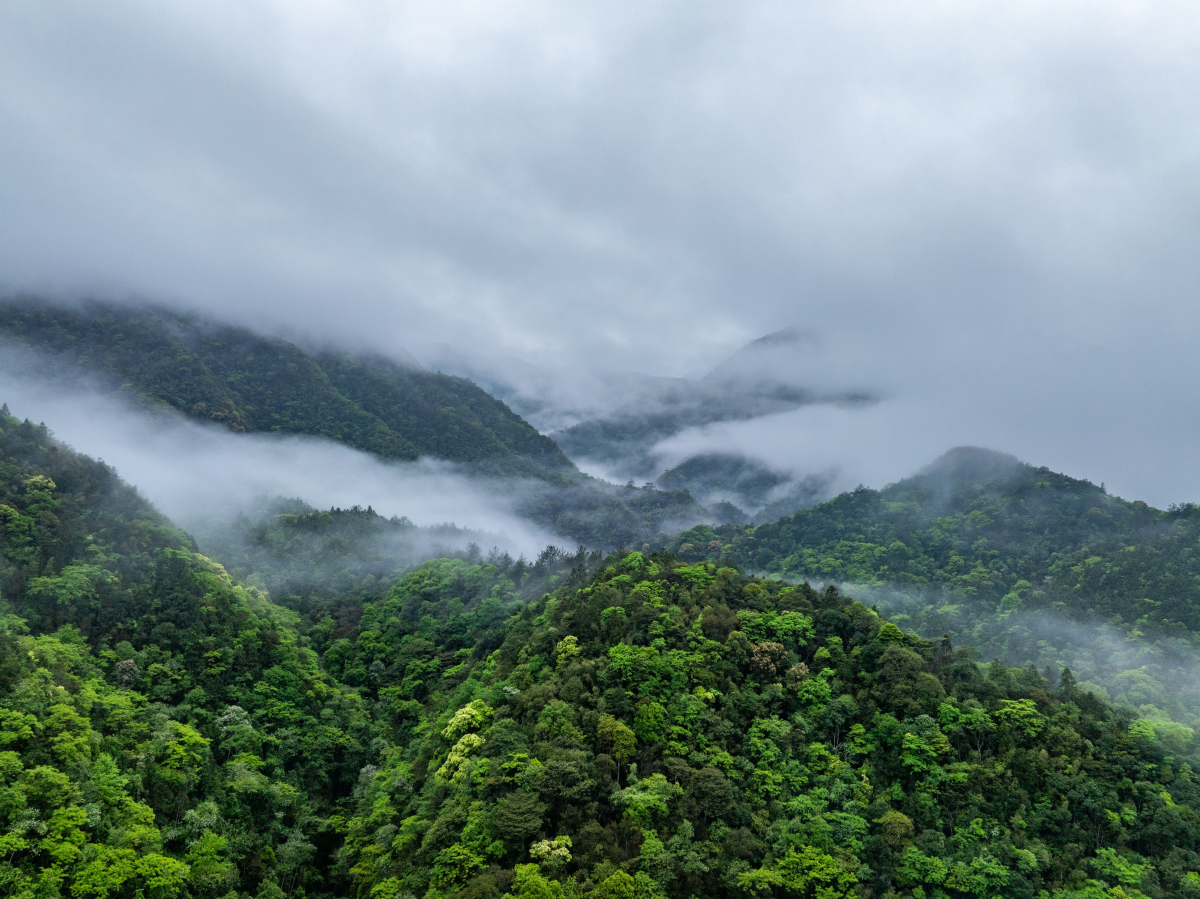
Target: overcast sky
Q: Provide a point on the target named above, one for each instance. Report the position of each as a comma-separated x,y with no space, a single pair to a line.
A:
988,212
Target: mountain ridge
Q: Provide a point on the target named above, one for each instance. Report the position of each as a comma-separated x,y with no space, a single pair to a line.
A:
247,382
1020,562
627,726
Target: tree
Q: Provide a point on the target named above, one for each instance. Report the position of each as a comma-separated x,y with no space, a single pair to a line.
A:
617,886
768,660
620,741
805,873
552,854
897,828
1066,683
519,816
983,876
647,801
712,792
454,866
979,727
474,716
1022,715
528,883
566,651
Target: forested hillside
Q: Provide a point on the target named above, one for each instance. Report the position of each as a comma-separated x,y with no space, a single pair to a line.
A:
622,726
739,484
1005,557
327,565
248,382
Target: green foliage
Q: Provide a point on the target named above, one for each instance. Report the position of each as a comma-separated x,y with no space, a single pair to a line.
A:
647,802
807,872
910,764
163,731
724,735
552,854
1008,559
247,382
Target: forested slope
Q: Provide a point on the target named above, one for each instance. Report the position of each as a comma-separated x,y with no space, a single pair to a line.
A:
248,382
1004,556
645,728
130,670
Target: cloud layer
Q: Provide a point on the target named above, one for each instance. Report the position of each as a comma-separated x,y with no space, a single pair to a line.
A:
988,213
202,476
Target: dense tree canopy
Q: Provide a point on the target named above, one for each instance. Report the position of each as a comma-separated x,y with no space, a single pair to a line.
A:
628,725
1020,562
248,382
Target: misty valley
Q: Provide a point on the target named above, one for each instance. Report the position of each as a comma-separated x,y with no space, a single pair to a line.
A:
553,647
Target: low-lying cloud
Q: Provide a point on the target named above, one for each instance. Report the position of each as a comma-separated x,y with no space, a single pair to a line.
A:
201,475
1159,676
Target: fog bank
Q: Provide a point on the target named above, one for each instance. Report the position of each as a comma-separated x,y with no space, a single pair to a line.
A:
200,475
1158,676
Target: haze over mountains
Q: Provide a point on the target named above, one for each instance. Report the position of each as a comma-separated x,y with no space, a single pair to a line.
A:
612,424
983,213
967,527
395,410
526,450
306,733
319,666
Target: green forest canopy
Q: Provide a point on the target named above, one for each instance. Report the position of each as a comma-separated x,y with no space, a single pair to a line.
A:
1017,561
644,727
247,382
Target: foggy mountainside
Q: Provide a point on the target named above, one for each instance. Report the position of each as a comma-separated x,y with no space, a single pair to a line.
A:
249,383
279,533
756,381
1017,561
323,563
293,550
332,561
736,483
551,400
625,726
612,421
600,514
429,435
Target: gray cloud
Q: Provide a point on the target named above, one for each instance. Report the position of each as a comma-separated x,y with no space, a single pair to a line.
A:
988,213
202,476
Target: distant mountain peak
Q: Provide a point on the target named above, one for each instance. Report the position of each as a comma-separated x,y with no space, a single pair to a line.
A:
973,457
783,337
970,465
767,359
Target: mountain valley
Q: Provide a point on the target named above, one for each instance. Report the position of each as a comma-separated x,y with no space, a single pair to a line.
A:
982,680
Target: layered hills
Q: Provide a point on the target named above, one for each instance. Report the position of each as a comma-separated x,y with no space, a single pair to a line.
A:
629,725
1018,561
612,421
987,525
249,382
396,410
759,379
731,484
